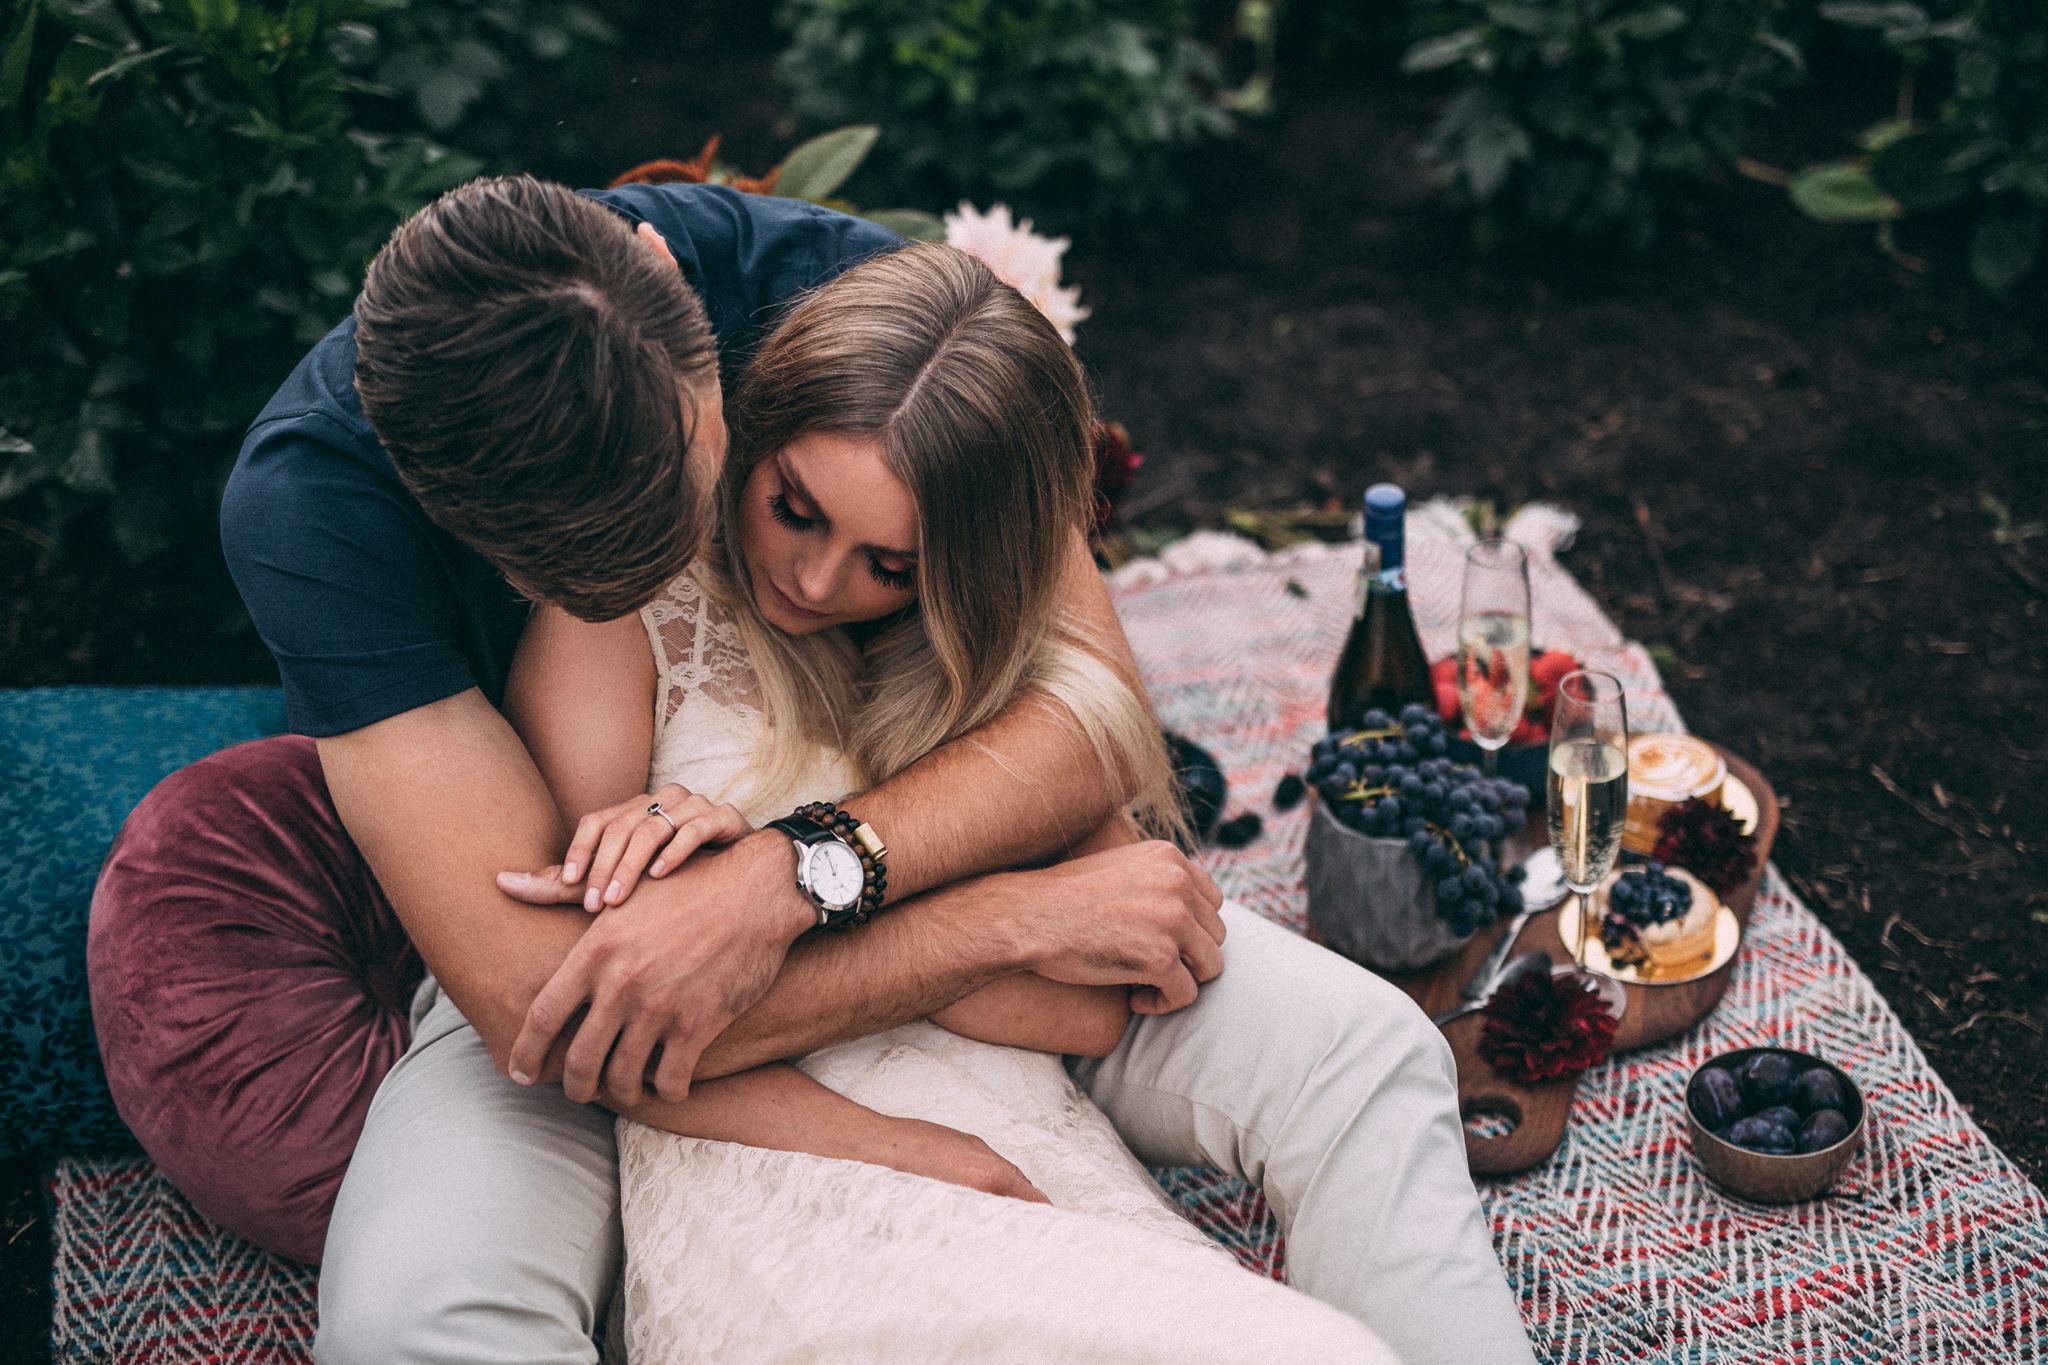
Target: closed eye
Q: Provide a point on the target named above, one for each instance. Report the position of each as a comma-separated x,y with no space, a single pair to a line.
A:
778,508
896,580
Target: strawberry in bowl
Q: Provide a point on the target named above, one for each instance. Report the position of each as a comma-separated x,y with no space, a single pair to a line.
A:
1527,752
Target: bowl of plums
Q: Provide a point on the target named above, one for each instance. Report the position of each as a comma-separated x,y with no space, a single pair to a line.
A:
1773,1125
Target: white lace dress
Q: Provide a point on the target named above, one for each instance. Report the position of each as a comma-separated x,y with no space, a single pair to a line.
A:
741,1254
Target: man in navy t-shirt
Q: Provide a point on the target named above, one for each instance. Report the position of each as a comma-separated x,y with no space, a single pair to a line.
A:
526,407
372,608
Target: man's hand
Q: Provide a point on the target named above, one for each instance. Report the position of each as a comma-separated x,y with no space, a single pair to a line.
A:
1141,915
670,967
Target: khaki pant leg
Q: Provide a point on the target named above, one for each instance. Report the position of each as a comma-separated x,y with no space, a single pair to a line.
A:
1314,1079
479,1219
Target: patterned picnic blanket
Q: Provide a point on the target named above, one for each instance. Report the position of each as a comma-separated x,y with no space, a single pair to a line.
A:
1930,1248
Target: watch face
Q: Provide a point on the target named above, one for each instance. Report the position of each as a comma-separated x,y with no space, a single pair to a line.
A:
836,874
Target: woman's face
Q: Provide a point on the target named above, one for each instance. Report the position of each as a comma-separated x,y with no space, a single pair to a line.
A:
829,535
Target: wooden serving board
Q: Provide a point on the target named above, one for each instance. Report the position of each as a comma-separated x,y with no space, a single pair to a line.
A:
1654,1013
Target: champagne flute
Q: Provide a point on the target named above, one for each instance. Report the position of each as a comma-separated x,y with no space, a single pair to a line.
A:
1588,787
1493,644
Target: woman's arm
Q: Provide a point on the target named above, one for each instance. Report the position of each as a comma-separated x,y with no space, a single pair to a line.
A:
780,1107
581,697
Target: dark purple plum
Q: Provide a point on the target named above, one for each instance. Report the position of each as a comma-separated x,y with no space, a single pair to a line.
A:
1761,1135
1768,1078
1823,1128
1715,1097
1818,1089
1783,1115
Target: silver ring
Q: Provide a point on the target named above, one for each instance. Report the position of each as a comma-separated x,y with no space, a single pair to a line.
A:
655,809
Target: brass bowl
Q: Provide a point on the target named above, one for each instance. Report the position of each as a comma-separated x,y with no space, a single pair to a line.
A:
1763,1177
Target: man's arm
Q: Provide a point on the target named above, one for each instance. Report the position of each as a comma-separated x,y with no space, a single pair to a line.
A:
440,798
1024,788
1103,920
582,696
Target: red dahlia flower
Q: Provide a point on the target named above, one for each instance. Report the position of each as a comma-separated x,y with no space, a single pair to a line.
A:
1540,1027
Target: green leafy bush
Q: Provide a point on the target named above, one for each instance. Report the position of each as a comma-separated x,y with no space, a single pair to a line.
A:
1985,150
1069,107
1584,115
189,194
467,70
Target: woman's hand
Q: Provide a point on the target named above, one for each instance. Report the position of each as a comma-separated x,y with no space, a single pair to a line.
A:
615,845
937,1152
777,1106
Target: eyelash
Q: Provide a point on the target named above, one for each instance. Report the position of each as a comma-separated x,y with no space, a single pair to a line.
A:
896,580
778,508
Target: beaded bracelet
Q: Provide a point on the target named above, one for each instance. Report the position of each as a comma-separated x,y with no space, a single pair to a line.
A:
867,845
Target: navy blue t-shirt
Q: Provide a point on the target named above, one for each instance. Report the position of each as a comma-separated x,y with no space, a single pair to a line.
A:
371,609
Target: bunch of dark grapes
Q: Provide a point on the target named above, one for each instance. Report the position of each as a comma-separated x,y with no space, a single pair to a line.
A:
1389,779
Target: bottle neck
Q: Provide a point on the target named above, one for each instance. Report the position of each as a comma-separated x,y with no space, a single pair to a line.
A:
1383,560
1385,525
1375,579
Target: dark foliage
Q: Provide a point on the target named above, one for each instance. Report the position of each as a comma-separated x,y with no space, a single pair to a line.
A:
1982,151
192,190
1072,107
1587,115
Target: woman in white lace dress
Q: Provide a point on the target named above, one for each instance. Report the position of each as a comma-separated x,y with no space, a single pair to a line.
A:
909,481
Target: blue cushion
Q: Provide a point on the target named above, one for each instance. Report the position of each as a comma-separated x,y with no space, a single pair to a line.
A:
73,762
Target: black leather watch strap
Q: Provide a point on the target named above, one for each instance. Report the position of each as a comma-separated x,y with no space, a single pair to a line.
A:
821,821
802,828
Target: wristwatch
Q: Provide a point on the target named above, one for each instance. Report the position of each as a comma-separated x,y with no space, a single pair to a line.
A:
838,863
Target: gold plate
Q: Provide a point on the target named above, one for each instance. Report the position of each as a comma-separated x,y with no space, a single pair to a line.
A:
1740,802
1727,938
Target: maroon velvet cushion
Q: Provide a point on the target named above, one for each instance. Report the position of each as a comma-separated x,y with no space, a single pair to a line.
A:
249,988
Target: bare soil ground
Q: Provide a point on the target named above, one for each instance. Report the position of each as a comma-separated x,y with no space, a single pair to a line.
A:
1813,480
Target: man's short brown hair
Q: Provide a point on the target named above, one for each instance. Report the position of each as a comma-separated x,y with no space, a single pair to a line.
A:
530,365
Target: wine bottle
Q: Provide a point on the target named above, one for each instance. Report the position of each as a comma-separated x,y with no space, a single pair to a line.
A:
1382,665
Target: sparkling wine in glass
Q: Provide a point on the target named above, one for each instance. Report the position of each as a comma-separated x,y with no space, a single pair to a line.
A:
1493,644
1588,788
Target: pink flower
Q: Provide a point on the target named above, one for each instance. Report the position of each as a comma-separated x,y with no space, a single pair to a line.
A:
1020,258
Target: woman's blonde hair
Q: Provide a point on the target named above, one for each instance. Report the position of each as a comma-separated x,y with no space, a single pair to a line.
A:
981,410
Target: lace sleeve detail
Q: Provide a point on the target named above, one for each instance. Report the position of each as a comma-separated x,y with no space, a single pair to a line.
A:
697,649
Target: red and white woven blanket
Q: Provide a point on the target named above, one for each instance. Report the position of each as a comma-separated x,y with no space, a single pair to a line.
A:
1931,1247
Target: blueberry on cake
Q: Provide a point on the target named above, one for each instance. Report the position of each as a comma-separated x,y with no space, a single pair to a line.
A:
1657,917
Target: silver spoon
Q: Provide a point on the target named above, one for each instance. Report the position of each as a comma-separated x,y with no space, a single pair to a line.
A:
1534,961
1542,887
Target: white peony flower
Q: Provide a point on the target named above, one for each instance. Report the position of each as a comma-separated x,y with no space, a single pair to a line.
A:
1020,258
1211,552
1196,552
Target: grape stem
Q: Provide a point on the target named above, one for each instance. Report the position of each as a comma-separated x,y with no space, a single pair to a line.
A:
1358,739
1358,791
1449,838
